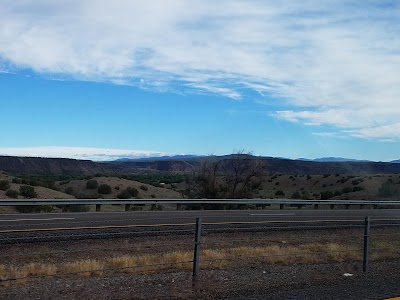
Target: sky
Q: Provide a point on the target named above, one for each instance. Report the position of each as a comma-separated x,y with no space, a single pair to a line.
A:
97,79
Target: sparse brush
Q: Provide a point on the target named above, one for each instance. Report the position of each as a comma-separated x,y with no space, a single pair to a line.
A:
84,268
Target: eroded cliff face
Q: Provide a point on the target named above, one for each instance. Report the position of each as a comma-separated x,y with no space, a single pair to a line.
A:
48,166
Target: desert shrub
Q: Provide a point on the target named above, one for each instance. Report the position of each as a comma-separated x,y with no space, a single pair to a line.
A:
338,193
16,180
144,187
277,183
4,185
280,193
308,177
12,194
296,195
305,195
134,191
358,188
27,191
92,184
387,189
104,189
117,188
326,195
69,190
355,182
128,193
347,190
326,175
33,182
153,196
125,194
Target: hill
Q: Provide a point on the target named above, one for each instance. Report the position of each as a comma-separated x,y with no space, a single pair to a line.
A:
28,166
31,166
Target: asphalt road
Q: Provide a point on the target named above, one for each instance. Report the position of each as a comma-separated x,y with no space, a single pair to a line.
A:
23,222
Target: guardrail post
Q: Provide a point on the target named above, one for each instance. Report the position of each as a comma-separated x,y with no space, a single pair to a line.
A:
316,206
196,256
366,244
332,206
361,206
179,207
98,207
127,207
347,206
281,206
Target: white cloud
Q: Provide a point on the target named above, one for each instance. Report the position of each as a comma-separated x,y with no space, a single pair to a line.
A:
335,62
96,154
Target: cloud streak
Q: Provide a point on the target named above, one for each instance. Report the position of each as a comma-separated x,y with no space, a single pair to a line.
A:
334,63
96,154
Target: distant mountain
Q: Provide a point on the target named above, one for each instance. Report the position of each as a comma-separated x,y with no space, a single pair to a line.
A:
156,158
395,161
187,163
338,159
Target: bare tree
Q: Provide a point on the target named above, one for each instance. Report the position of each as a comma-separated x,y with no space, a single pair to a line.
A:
235,176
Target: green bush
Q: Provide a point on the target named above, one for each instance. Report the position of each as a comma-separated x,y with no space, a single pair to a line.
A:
104,189
4,185
134,192
69,190
92,184
280,193
296,195
358,188
387,189
12,194
125,194
16,180
27,191
347,190
144,187
326,195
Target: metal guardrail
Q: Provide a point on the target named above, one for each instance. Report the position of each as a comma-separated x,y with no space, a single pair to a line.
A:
33,202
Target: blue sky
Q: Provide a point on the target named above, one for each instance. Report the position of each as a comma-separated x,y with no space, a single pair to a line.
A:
101,80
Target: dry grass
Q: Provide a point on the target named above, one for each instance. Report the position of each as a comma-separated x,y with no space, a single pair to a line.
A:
181,260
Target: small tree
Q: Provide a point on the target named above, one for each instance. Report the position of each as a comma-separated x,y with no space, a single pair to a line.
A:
92,184
4,185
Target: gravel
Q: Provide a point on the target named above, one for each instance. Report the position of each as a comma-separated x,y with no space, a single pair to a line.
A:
261,282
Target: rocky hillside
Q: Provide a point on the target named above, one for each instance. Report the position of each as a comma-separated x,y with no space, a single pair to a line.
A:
60,166
48,166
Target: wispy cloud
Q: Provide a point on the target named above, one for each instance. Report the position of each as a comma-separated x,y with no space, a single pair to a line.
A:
335,62
96,154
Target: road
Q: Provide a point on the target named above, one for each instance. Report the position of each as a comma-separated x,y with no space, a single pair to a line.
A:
103,219
16,222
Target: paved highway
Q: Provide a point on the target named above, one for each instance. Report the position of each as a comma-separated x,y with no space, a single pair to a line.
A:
102,220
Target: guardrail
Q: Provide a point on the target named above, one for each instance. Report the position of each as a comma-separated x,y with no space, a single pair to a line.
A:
201,202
